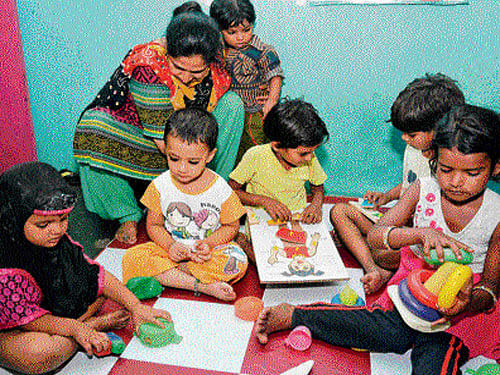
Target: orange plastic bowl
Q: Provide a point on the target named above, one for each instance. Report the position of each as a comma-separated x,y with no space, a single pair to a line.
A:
248,308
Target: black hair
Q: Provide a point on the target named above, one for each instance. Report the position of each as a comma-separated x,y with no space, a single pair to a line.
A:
471,130
424,102
294,123
193,125
194,33
188,6
229,13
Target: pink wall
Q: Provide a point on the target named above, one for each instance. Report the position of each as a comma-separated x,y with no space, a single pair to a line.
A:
17,141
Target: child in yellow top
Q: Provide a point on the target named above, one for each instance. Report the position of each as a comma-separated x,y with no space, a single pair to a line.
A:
275,173
193,215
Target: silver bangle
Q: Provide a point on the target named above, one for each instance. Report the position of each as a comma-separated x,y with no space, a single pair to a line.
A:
487,290
385,237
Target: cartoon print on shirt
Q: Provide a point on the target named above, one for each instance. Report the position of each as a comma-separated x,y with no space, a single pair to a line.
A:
178,217
207,221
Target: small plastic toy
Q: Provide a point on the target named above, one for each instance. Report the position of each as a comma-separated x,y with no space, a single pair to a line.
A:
452,286
486,369
103,353
300,338
348,297
423,292
155,337
416,307
117,344
144,287
448,256
248,308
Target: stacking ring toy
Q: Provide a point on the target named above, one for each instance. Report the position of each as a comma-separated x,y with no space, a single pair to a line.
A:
448,256
416,280
452,286
417,308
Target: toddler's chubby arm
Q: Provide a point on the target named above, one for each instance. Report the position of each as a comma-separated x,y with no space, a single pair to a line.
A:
156,230
275,208
313,213
83,334
225,234
141,313
379,199
274,94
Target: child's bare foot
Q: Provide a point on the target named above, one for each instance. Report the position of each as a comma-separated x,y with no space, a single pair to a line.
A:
220,290
127,232
115,320
375,279
272,319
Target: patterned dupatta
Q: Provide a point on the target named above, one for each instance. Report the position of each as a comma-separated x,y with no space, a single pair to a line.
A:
153,55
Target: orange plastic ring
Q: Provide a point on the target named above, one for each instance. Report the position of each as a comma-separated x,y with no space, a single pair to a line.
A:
416,280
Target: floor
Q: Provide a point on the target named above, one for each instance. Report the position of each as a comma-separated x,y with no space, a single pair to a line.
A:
215,341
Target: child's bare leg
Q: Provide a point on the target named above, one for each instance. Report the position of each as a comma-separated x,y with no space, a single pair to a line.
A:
182,279
272,319
388,259
352,226
243,241
34,352
127,232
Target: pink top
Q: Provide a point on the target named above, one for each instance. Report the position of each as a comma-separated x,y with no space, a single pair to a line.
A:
20,298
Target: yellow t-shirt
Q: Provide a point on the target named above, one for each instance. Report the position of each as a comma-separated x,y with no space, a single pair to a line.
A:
264,175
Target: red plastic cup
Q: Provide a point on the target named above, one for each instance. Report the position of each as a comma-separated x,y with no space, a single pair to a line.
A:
300,338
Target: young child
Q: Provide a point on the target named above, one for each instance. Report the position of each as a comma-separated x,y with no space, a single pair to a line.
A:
273,176
254,67
414,112
457,210
49,290
193,215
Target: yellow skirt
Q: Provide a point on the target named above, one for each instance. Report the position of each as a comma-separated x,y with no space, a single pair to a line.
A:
228,263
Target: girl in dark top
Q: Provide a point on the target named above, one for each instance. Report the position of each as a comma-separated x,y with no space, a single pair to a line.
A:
49,290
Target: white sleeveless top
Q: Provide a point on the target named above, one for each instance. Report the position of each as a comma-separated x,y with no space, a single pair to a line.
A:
476,234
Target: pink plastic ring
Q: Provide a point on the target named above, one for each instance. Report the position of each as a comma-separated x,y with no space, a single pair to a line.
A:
416,280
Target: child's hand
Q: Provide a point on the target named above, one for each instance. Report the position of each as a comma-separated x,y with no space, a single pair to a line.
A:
89,338
376,198
142,313
432,238
202,252
178,252
462,299
277,210
312,214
